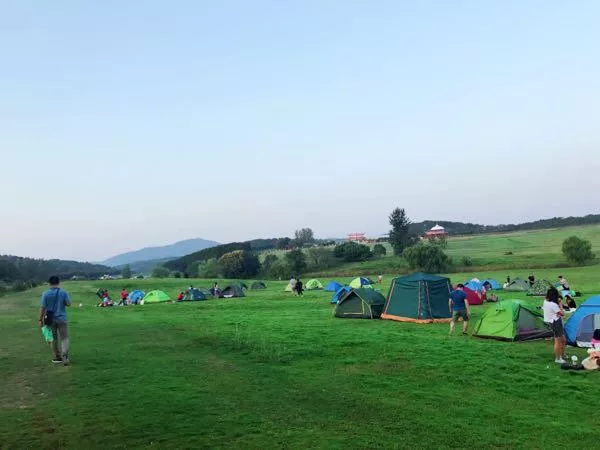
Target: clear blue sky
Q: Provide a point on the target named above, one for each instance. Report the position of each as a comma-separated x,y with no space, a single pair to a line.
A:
128,124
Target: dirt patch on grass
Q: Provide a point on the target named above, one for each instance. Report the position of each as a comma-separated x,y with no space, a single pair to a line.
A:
220,365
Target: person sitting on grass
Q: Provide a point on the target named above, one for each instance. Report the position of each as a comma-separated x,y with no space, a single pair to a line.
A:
459,307
596,339
592,362
180,296
570,304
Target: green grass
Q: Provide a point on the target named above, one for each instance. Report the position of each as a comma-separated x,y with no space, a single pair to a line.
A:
272,371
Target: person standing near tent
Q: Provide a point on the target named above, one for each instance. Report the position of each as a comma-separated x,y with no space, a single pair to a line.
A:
124,295
553,314
293,283
459,307
299,287
53,314
216,290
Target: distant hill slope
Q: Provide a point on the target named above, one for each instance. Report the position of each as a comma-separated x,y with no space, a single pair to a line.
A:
175,250
460,228
14,268
145,267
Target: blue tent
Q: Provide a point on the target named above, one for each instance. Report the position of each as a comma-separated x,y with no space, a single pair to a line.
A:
136,296
340,293
580,327
476,286
333,286
493,283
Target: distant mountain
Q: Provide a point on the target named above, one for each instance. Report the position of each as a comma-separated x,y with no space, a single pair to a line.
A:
145,267
175,250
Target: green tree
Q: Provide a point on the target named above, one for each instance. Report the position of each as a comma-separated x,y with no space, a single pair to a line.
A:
400,236
209,269
279,269
283,243
577,251
320,258
296,260
160,272
427,258
351,251
239,263
268,262
303,237
126,272
379,250
176,274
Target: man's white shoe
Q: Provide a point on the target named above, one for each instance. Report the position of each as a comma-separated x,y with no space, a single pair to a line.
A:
559,361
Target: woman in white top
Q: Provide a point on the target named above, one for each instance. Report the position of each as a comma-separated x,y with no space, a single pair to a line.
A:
553,314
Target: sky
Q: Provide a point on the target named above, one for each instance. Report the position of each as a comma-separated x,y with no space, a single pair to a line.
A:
132,124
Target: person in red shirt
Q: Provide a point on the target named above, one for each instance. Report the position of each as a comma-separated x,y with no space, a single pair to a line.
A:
124,295
180,296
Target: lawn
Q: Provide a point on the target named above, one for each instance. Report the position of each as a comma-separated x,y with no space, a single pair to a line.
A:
272,371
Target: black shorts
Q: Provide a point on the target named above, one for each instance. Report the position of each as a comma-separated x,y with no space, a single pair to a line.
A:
460,313
557,328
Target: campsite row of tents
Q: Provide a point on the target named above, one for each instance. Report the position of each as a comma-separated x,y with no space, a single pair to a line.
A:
333,286
195,294
423,298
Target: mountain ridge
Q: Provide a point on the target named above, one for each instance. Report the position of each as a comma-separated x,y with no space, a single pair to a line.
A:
175,250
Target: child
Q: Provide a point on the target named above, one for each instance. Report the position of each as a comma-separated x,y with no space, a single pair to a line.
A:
180,296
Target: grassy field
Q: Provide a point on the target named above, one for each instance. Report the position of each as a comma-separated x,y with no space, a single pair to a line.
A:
273,371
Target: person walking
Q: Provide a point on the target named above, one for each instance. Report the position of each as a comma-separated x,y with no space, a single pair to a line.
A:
459,307
53,313
553,314
293,285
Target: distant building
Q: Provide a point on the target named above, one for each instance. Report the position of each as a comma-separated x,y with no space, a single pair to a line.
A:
437,231
357,237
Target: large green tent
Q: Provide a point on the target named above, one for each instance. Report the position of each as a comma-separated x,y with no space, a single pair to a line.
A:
420,297
156,297
510,320
540,287
234,290
360,304
313,284
518,285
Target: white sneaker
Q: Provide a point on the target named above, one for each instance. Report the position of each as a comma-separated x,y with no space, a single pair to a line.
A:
559,361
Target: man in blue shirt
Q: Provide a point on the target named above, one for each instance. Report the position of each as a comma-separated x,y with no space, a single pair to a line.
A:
459,307
54,303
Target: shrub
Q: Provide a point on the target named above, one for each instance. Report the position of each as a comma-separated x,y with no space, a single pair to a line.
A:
177,275
427,257
577,251
3,291
466,261
379,250
20,286
351,251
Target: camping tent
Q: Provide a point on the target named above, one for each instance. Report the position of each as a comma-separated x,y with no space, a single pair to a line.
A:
473,297
233,290
518,285
313,284
240,284
540,287
288,288
333,286
420,297
156,297
580,327
490,283
360,282
258,285
207,292
193,295
360,304
136,296
474,285
340,293
510,320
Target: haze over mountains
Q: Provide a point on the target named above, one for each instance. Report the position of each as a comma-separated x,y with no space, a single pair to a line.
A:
165,252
